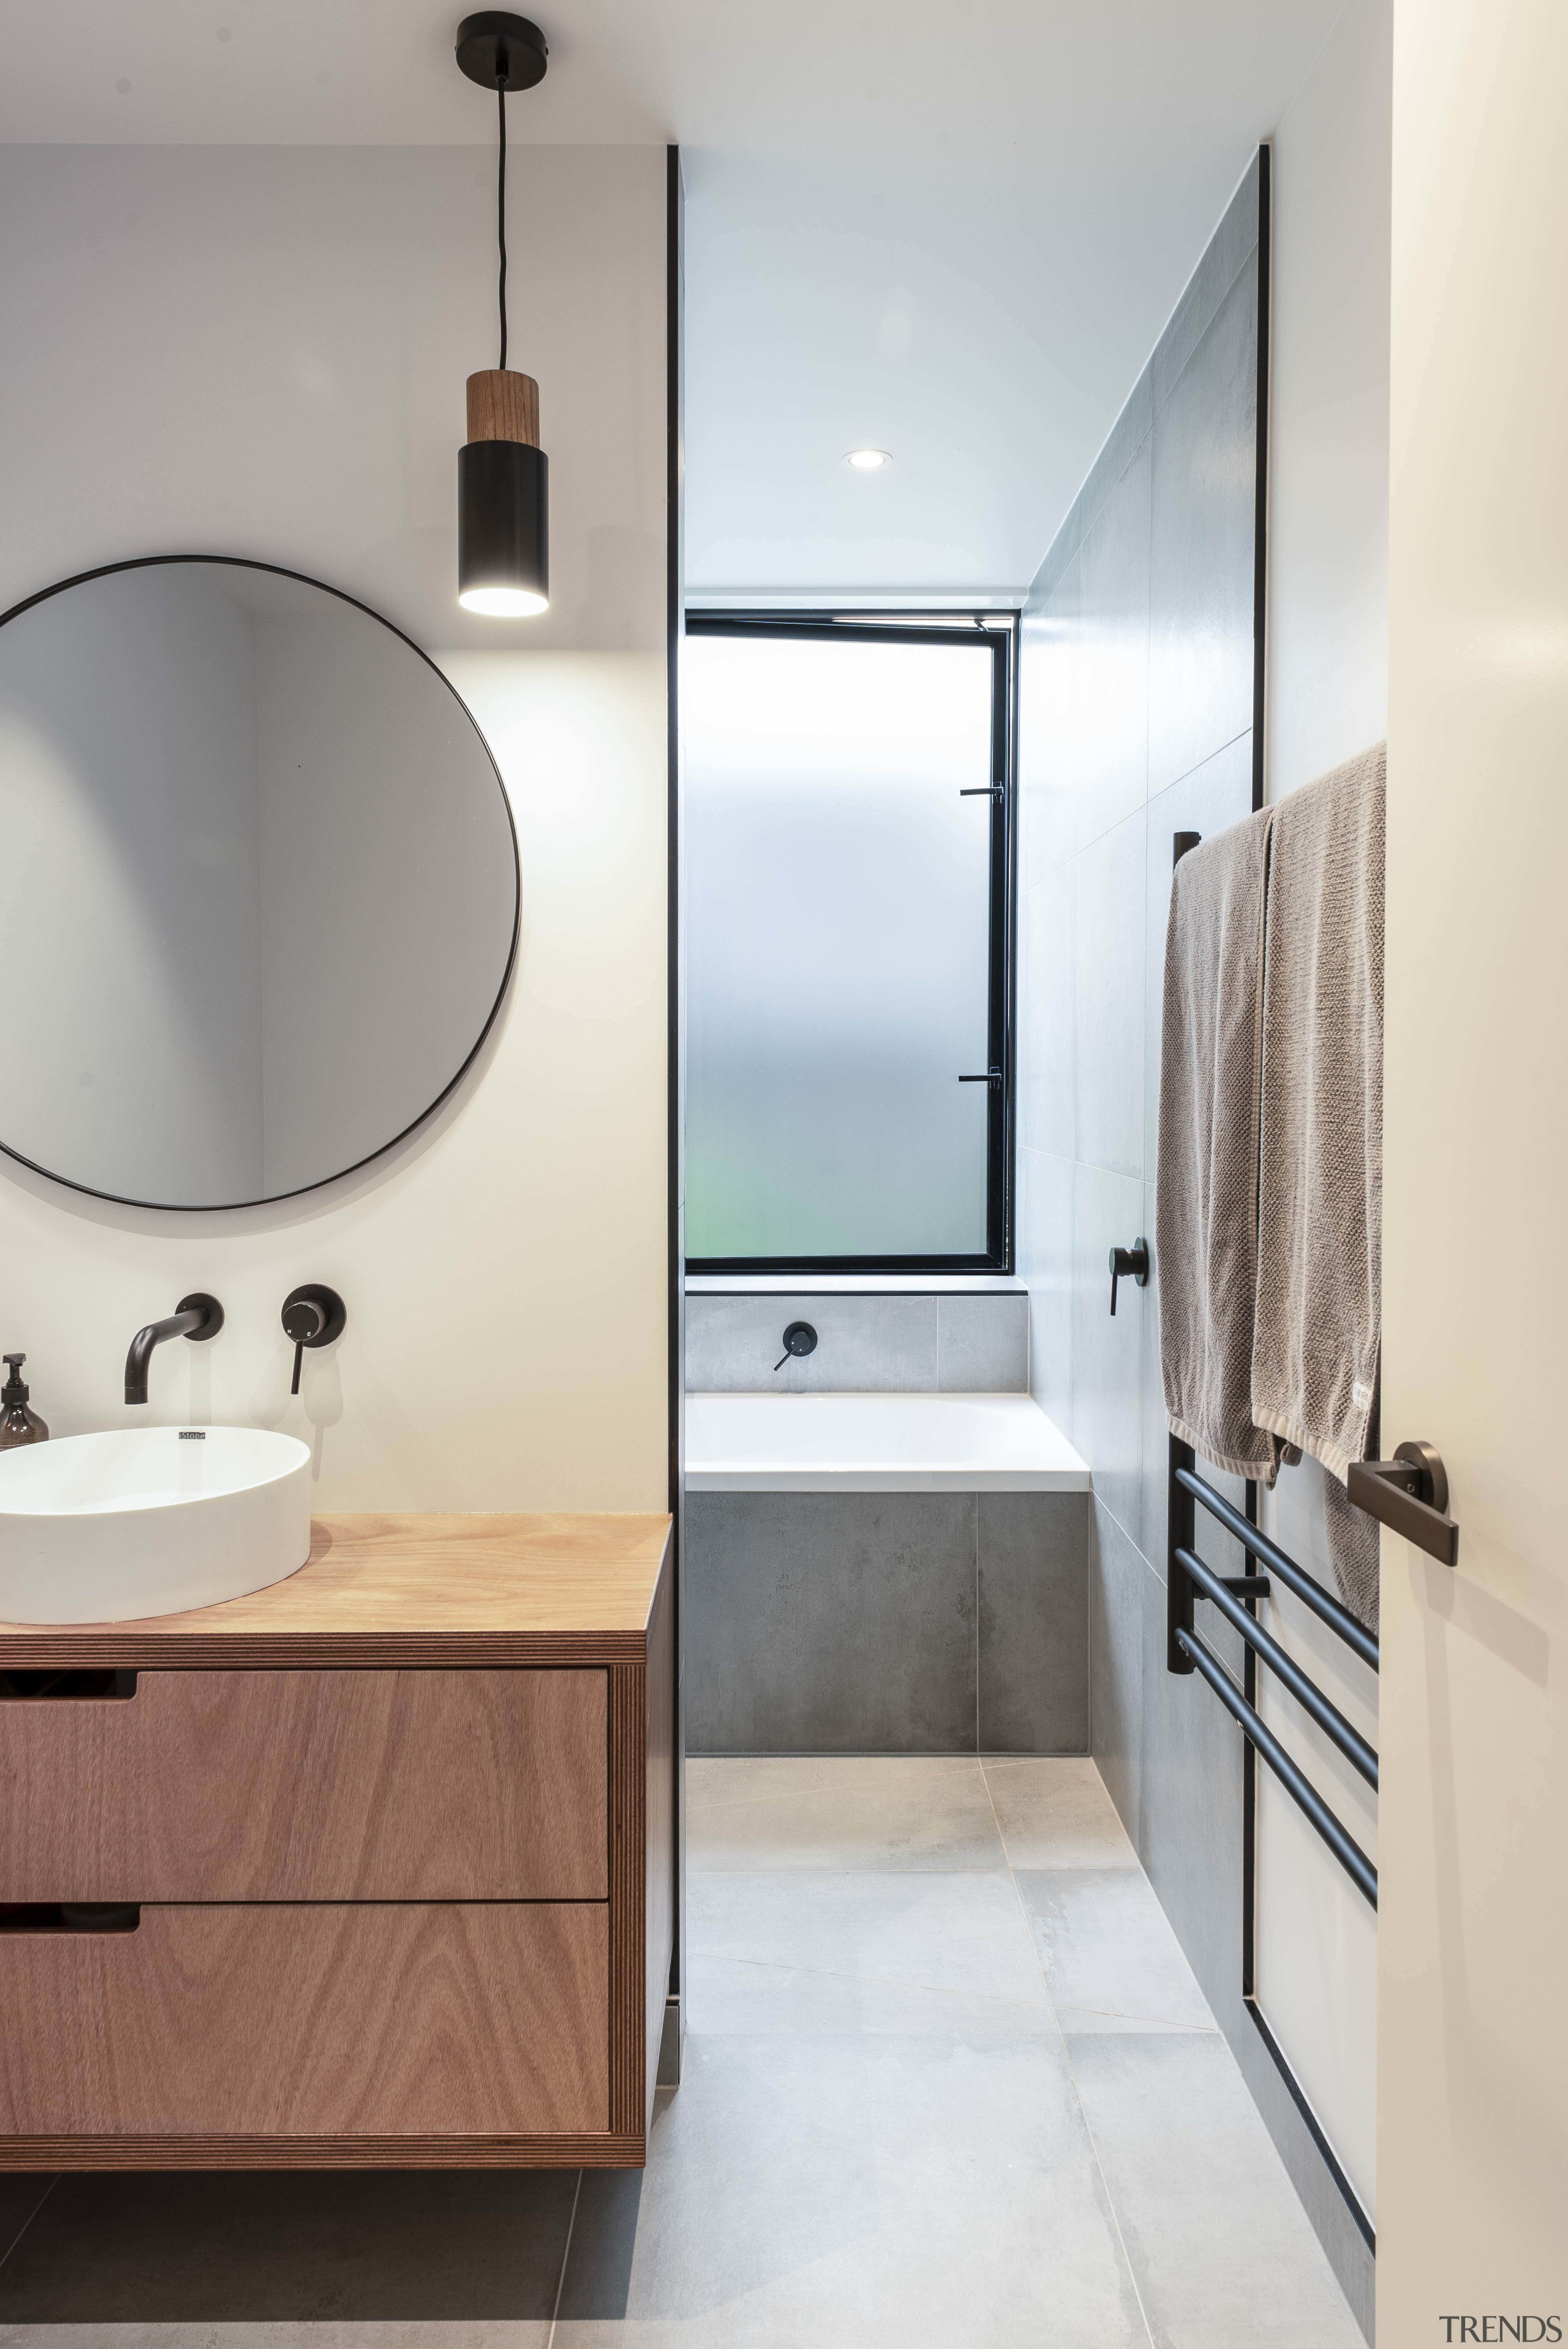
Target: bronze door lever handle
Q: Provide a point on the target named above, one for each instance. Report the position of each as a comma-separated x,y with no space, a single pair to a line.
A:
1409,1492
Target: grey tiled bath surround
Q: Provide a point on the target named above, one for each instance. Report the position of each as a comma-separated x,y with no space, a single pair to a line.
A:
887,1623
958,1343
1137,723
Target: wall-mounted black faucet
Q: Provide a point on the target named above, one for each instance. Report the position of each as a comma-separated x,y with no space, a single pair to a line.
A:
313,1315
1129,1264
798,1339
197,1316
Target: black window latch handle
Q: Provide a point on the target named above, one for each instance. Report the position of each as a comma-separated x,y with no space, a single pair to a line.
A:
1129,1264
983,1077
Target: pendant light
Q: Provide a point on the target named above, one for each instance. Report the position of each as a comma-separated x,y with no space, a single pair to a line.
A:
503,474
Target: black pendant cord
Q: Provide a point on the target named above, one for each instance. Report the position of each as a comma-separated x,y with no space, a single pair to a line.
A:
500,218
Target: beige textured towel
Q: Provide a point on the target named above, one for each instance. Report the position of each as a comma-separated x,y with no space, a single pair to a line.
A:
1206,1202
1320,1179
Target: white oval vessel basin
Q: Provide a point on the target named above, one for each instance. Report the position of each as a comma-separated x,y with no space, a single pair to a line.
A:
148,1521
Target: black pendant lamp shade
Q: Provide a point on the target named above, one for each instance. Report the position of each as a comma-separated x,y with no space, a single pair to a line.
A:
503,474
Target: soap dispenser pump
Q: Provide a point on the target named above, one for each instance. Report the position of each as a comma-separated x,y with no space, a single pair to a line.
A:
17,1423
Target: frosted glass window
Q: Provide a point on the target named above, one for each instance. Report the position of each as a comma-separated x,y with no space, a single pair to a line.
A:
840,965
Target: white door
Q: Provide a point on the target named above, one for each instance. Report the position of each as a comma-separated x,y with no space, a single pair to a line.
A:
1473,1929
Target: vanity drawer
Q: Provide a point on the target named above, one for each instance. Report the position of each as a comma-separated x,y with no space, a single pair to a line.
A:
313,1786
333,2021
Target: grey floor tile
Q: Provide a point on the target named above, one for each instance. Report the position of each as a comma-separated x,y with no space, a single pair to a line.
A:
1057,1813
21,2194
804,1952
1110,1955
873,1811
1224,2253
909,2192
1034,1623
417,2253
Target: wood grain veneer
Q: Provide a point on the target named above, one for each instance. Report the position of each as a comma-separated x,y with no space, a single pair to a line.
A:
503,405
365,2035
659,1834
326,1786
353,2020
414,1591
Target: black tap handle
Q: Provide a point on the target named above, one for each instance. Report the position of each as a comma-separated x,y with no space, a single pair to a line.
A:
299,1357
1129,1264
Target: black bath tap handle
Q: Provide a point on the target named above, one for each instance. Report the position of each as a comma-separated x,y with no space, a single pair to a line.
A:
1129,1264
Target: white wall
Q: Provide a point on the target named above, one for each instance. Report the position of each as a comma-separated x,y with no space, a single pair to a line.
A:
1327,697
264,352
1473,2048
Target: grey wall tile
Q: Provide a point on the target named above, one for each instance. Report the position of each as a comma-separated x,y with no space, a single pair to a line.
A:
1108,1355
1034,1623
1113,645
983,1344
1109,922
1201,596
1046,1266
1109,464
866,1343
1121,1592
1227,250
1049,689
1211,799
831,1623
1189,1809
1046,1013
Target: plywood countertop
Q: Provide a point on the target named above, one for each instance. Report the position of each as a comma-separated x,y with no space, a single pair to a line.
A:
387,1590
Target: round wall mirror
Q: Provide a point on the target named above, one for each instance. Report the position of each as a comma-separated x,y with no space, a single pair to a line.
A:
258,884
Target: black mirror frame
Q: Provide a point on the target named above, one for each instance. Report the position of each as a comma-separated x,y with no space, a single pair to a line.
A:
282,571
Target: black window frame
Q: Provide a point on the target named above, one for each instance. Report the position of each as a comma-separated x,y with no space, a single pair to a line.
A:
1000,630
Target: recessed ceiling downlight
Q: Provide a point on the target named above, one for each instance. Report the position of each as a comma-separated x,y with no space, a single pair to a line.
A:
868,461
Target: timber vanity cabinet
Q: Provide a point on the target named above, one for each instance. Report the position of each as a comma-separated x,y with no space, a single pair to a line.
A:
373,1867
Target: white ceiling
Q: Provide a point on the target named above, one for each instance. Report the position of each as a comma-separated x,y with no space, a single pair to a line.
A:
952,230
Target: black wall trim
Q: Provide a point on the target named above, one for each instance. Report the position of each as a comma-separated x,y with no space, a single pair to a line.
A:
1260,483
675,1263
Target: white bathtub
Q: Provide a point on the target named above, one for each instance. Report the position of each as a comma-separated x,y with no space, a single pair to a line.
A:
877,1444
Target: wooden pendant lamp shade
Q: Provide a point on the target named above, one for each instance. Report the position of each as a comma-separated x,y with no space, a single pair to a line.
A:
503,406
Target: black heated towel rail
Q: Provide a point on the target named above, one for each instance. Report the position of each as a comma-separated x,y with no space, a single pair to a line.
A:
1187,1578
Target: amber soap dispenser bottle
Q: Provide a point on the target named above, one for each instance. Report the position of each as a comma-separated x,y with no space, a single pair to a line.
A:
17,1423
